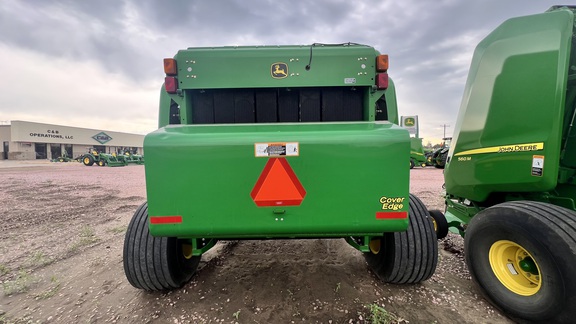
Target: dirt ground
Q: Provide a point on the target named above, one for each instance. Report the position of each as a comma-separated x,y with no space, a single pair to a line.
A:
62,229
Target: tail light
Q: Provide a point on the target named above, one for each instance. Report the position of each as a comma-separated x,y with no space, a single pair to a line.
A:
382,81
382,75
382,63
170,67
171,84
171,70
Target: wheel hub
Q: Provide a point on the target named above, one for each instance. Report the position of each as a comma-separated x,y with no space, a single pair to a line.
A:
515,268
374,246
187,250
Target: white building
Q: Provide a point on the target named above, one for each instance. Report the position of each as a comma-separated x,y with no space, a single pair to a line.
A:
22,140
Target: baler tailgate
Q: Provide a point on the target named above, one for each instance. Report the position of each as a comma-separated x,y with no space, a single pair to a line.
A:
341,182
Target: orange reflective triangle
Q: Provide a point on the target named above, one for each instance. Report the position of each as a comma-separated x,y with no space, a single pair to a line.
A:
278,185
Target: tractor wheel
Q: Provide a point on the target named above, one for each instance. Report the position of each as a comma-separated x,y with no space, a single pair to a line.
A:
88,160
156,263
412,164
440,223
102,163
522,255
406,257
440,160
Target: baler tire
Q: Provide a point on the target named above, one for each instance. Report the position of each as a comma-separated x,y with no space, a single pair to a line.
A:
407,257
154,263
440,223
514,234
88,160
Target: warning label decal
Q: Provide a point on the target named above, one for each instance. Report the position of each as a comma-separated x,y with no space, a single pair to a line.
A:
537,165
276,149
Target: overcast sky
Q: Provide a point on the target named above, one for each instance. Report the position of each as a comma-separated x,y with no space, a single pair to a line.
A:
98,64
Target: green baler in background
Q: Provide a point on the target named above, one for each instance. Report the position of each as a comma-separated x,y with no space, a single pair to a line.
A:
511,171
275,142
417,156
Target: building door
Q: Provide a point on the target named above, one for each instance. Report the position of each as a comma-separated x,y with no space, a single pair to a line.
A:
5,150
55,151
40,149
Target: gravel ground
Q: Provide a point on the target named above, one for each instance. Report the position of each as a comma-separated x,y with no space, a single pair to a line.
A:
61,235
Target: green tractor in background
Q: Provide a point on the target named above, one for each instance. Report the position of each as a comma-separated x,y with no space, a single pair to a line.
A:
511,169
63,158
292,142
102,159
129,157
438,157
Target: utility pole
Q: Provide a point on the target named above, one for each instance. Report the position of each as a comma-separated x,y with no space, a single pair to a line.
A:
445,126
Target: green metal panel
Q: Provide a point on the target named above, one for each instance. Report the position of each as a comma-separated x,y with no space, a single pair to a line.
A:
206,173
164,108
223,67
512,111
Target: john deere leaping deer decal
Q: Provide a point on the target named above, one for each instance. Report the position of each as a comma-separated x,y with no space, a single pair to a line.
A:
279,70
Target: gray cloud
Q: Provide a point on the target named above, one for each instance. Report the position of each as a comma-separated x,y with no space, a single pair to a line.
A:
430,42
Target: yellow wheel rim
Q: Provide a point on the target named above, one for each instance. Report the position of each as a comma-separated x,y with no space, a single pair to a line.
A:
435,224
374,246
86,160
187,250
515,267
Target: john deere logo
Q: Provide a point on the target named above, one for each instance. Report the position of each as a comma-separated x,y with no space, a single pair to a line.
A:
409,122
279,70
102,138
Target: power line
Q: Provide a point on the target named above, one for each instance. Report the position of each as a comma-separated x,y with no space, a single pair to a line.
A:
445,126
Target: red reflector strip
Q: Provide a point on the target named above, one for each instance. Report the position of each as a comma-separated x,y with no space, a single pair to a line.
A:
165,219
392,215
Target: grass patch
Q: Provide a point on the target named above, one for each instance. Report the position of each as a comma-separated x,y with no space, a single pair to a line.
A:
38,259
379,315
55,287
19,285
3,269
337,287
118,229
87,237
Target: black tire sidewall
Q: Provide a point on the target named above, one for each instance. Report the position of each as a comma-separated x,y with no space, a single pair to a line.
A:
491,226
90,160
441,223
181,269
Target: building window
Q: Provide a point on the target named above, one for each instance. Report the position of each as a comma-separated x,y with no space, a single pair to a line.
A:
40,149
68,150
55,151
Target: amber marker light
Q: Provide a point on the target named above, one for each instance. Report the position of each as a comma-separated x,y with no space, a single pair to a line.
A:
382,63
170,66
